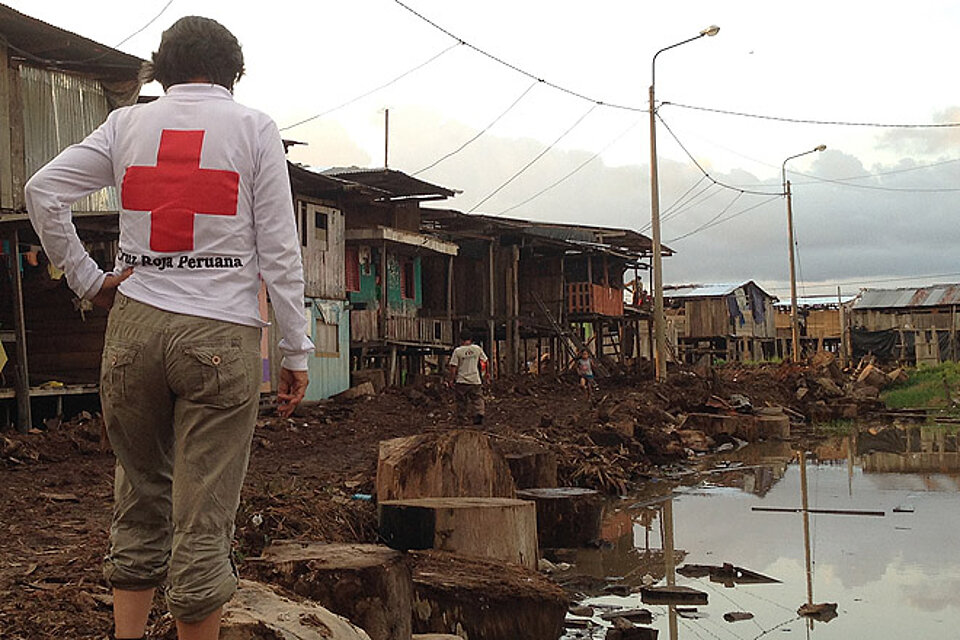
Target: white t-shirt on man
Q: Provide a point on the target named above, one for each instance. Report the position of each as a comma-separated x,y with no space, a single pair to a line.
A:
466,358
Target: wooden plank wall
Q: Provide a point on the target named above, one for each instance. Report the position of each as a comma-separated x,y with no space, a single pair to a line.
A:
323,262
62,344
879,319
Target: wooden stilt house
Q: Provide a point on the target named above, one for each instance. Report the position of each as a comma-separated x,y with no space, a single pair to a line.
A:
55,88
539,292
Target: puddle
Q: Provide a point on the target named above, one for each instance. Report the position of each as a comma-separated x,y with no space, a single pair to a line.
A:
892,576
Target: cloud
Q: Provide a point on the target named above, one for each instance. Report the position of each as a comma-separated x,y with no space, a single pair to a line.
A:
926,141
854,223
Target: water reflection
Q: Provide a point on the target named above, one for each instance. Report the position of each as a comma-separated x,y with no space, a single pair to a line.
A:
892,576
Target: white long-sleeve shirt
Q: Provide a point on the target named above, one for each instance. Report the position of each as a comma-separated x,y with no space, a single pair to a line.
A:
206,211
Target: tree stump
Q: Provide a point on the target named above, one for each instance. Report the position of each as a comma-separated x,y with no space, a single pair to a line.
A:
368,584
257,612
456,463
567,517
481,599
497,528
533,469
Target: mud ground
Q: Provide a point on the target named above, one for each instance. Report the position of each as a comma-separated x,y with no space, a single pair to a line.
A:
309,475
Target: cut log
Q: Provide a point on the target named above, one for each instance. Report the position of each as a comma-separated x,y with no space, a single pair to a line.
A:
672,595
257,612
458,463
497,528
481,599
368,584
567,517
774,426
533,469
873,377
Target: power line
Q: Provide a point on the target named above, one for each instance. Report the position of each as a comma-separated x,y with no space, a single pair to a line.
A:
873,187
141,29
849,178
485,129
841,123
705,172
730,217
374,90
514,67
535,158
858,283
711,220
576,170
696,201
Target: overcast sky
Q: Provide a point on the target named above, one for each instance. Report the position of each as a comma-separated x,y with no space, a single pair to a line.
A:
876,208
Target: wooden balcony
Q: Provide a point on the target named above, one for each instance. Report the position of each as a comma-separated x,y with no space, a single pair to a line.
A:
588,298
366,326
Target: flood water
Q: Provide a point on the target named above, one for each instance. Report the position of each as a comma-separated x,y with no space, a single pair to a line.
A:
895,575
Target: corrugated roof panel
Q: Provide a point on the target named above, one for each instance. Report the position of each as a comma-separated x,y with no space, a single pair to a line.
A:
932,296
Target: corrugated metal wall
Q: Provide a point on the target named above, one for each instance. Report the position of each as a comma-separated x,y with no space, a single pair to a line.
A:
60,110
330,375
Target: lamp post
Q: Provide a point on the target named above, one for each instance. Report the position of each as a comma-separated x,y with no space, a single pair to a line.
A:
659,321
794,325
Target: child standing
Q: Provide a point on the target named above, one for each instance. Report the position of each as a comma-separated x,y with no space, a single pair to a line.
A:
584,366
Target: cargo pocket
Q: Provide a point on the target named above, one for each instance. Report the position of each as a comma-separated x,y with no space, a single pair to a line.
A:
221,378
120,370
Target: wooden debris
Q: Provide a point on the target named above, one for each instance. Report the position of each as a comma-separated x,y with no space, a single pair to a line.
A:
737,616
831,512
672,595
821,612
640,616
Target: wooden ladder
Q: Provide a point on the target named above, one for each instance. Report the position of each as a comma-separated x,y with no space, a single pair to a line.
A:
571,341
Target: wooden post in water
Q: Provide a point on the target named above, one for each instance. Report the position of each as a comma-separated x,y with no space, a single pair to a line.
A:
669,560
806,524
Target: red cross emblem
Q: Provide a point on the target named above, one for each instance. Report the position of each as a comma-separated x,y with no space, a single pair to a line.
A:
177,189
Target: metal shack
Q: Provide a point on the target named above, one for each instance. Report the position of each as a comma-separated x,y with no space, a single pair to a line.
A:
55,88
730,321
911,325
534,288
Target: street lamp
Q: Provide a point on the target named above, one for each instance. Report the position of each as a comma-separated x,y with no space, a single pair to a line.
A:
794,325
659,321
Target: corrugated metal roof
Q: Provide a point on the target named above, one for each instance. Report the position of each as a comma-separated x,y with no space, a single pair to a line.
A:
52,47
700,290
396,183
707,290
933,296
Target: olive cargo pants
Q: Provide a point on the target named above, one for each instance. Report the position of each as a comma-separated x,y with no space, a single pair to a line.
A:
180,399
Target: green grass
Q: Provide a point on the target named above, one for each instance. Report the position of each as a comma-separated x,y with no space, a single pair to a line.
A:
926,387
836,427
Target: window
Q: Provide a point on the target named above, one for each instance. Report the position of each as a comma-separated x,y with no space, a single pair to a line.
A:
326,339
351,258
320,229
408,285
303,224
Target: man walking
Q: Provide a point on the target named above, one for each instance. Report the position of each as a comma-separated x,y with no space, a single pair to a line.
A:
465,373
206,214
